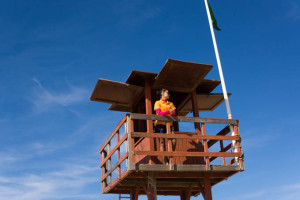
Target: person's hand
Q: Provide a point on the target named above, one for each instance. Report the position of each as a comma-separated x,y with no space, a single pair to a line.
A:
172,111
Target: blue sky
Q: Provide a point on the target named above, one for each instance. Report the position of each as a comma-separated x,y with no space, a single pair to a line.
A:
52,52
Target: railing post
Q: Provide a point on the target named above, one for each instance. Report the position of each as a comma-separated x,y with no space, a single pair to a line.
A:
169,142
205,146
131,141
103,172
118,153
126,142
148,107
197,124
222,149
109,161
239,160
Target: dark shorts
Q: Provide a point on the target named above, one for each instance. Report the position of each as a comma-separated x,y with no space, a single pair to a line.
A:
161,128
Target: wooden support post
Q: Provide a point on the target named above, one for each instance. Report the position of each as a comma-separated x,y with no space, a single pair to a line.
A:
238,145
148,106
109,162
103,170
197,125
222,149
118,153
207,187
186,194
150,188
207,162
132,142
134,193
168,143
202,190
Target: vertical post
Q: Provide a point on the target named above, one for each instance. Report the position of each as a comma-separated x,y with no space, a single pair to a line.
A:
207,187
109,161
118,153
205,146
186,194
238,146
134,193
103,171
132,142
197,124
126,142
168,142
222,150
150,188
148,106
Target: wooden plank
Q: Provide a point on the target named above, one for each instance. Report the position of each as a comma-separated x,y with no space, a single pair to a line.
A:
177,175
205,145
109,161
207,187
188,154
222,149
118,154
201,137
148,106
187,168
183,119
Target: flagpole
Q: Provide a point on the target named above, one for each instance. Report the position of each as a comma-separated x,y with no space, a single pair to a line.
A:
219,62
229,115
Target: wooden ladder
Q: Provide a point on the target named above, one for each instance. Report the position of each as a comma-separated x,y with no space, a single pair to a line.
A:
120,197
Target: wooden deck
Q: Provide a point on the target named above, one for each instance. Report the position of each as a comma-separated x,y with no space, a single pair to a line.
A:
130,159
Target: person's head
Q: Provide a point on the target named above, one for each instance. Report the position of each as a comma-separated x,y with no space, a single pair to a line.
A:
164,94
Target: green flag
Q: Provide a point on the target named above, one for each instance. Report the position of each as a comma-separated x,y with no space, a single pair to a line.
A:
213,19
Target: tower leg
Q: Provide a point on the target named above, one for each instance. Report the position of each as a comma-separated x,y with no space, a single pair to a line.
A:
185,195
150,188
207,187
134,194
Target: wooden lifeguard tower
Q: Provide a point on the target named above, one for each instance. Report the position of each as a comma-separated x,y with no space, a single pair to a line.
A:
131,160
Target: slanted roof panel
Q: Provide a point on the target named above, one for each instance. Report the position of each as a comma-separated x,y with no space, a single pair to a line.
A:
119,107
115,92
206,102
138,77
181,76
207,86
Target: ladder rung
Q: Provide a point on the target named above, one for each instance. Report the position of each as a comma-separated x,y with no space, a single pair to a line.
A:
120,197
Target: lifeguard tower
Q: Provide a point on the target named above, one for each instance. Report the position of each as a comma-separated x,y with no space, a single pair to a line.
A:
132,163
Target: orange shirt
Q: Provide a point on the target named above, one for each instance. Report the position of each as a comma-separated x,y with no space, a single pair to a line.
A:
163,106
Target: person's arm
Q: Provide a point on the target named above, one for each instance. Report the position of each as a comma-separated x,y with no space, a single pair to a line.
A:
159,112
173,109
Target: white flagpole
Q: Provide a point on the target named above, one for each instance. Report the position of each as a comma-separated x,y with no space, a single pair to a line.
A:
220,72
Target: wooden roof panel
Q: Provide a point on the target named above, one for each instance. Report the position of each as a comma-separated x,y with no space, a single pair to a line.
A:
181,76
115,92
138,77
119,107
206,102
207,86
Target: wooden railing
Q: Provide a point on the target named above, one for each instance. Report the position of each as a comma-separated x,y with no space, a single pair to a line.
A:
131,151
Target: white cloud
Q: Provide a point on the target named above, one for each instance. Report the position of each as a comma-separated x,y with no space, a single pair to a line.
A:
43,99
73,178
